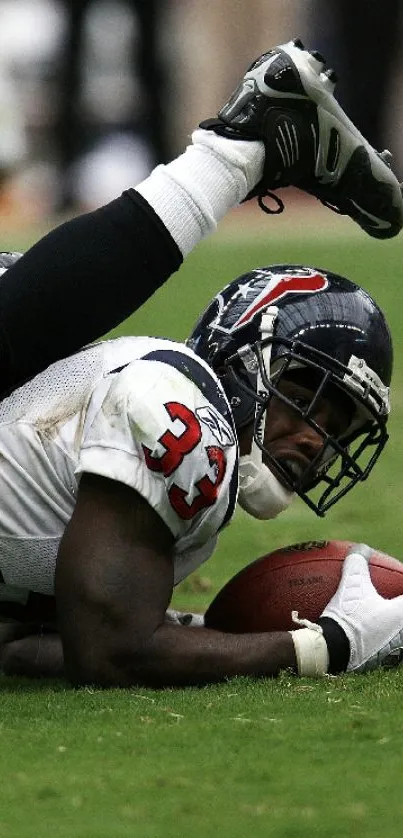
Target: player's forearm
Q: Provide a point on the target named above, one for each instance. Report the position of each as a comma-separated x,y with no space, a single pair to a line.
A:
176,656
35,656
180,656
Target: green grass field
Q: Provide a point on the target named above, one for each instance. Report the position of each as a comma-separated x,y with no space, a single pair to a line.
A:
271,758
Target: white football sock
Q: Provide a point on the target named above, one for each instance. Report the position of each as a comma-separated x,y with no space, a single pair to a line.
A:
193,192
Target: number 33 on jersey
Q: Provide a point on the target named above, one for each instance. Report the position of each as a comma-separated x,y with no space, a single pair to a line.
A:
176,449
193,448
176,443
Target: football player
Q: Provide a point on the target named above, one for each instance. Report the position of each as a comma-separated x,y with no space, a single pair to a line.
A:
121,463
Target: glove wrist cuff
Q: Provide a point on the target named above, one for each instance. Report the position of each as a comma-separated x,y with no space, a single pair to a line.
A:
337,643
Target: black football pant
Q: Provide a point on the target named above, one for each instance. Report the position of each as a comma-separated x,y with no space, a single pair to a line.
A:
78,282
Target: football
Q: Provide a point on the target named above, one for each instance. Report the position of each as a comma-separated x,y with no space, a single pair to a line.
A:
302,577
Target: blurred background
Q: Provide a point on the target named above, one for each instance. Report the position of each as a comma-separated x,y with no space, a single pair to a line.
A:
94,93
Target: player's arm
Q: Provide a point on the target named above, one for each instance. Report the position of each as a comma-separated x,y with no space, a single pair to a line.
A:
31,652
133,643
114,582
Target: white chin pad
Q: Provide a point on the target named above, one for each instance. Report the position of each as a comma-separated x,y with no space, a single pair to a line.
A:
260,493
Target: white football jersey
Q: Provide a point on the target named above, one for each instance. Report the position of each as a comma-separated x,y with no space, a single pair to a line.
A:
146,412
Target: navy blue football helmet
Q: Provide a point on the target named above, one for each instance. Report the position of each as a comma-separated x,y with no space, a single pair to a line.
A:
275,320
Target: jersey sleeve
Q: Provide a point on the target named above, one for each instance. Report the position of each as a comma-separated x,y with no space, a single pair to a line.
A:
152,429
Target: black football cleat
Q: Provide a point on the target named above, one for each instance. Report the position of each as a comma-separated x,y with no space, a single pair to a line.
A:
286,99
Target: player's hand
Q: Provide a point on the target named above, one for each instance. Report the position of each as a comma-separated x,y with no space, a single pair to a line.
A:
373,625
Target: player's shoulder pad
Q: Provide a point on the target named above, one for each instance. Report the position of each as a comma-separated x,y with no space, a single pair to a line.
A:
194,369
142,392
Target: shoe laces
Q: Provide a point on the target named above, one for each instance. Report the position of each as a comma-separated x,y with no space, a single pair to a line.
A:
279,204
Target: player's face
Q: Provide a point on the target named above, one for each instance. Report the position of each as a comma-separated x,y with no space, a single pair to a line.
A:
291,440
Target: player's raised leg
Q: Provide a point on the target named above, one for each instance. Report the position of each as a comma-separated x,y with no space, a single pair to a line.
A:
281,126
90,273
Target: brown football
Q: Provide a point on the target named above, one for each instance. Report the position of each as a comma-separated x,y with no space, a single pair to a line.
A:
300,578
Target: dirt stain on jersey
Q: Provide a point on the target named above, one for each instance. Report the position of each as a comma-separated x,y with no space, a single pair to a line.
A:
49,425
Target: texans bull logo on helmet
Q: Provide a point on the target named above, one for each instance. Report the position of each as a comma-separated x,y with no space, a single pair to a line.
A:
276,286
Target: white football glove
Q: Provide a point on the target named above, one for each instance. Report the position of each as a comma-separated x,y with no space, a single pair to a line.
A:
373,625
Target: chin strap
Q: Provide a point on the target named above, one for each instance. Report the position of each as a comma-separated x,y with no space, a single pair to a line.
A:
266,331
260,493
